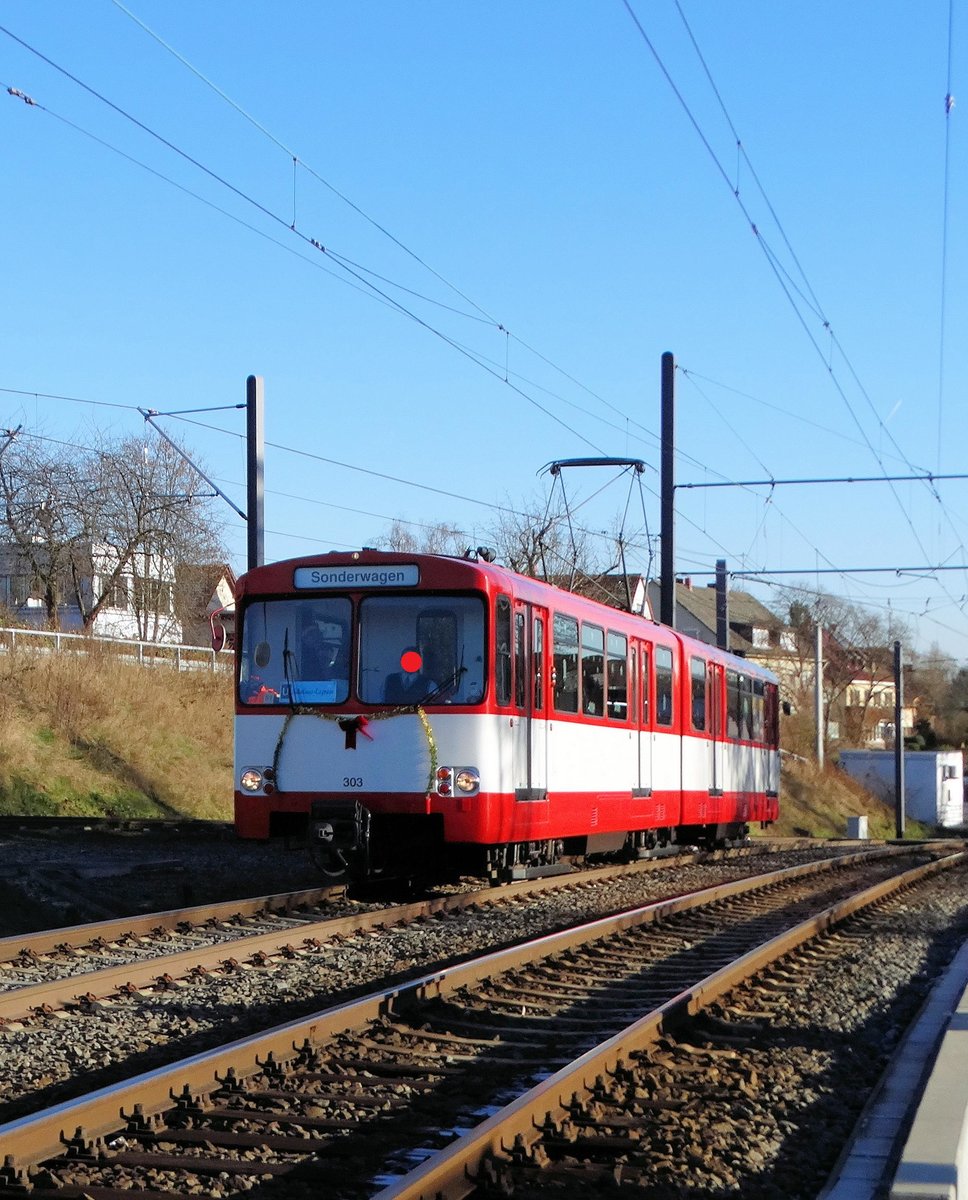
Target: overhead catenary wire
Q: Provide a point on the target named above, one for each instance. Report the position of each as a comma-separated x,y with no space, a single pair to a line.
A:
765,576
771,257
295,158
382,228
305,238
330,273
782,277
298,161
473,355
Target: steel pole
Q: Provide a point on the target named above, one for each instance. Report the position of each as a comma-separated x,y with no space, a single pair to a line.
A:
818,692
898,743
667,590
255,460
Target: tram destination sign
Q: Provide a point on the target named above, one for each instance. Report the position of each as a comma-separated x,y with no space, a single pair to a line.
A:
402,575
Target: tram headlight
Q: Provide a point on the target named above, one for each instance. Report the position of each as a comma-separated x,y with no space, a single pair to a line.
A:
467,780
251,780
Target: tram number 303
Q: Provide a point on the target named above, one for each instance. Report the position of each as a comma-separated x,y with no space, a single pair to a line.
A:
352,781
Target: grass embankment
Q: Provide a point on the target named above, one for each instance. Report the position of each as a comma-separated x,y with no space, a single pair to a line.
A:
90,735
817,803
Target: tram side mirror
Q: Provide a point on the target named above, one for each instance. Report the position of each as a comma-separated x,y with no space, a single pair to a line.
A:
218,637
262,654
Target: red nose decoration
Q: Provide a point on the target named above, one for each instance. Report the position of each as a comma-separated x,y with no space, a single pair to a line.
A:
411,661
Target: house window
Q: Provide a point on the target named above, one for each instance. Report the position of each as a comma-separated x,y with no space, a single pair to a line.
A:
119,593
153,595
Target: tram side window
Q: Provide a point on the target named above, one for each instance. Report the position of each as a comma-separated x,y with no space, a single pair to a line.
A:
663,685
645,685
565,633
520,677
759,721
697,671
592,669
772,715
538,664
746,708
732,705
502,650
618,683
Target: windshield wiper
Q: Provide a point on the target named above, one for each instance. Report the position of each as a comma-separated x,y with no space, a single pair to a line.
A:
451,681
287,659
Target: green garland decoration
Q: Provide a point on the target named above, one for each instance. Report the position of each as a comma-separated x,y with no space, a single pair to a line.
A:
302,710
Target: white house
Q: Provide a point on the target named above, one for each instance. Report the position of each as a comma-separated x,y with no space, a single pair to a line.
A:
140,603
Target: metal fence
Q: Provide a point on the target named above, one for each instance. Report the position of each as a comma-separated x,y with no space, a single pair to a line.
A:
145,654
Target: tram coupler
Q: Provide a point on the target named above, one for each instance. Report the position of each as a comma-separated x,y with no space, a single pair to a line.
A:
339,837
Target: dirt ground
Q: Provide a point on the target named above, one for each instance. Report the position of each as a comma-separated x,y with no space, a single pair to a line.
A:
67,876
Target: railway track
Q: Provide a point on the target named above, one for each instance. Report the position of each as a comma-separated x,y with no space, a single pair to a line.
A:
350,1097
75,967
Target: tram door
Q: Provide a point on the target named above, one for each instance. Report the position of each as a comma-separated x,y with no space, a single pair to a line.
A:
530,699
717,725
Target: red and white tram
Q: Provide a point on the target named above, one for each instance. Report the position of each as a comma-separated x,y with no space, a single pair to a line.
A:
417,713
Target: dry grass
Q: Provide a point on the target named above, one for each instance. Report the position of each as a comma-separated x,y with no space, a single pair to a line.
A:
89,734
817,803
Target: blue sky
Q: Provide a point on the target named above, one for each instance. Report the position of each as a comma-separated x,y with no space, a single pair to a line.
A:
554,194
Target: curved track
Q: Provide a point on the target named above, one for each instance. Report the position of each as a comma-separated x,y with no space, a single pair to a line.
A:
352,1094
74,967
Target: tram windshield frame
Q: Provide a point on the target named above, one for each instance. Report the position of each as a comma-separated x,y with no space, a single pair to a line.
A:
384,650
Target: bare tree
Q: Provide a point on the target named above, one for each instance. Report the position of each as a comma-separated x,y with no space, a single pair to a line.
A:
38,488
533,541
432,539
857,648
939,690
524,536
106,526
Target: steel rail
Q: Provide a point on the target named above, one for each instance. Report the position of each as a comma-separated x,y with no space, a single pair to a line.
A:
18,944
14,945
84,988
450,1174
33,1139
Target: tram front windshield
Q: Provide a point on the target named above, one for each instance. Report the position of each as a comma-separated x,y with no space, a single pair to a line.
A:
400,650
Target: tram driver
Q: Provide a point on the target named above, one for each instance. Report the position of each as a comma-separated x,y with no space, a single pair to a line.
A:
323,660
409,686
